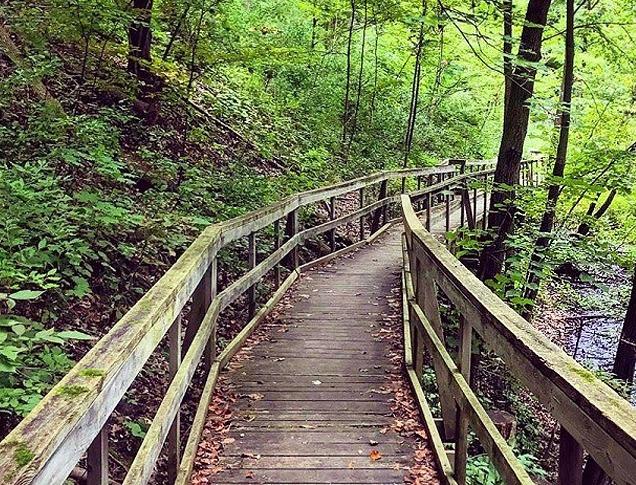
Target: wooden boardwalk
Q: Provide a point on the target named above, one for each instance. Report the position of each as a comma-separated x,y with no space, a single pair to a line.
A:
313,401
323,408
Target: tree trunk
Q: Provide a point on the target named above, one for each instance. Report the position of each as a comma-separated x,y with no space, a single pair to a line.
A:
354,125
584,227
375,69
533,277
140,38
345,109
502,208
415,94
507,49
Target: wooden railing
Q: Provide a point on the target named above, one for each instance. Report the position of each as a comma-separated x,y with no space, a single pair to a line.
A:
70,424
592,416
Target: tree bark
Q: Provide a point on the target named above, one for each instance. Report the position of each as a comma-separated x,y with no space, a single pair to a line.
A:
345,109
507,49
533,277
140,38
584,227
354,125
502,207
415,94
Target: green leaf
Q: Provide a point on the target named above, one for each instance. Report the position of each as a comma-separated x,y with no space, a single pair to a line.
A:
25,295
74,335
18,329
82,288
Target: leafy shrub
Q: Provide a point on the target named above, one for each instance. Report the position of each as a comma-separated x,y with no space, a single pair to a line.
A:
31,357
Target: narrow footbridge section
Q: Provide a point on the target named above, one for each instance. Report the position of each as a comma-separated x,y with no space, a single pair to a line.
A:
326,340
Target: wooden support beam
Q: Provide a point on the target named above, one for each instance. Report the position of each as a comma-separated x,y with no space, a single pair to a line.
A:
201,300
361,198
470,219
463,364
97,459
291,229
174,434
277,243
484,215
332,216
380,211
251,293
570,460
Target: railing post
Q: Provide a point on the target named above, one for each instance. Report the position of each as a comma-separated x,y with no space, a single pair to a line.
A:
361,217
484,216
277,244
426,298
97,459
532,172
419,187
475,203
332,216
174,434
447,210
291,229
251,293
210,349
463,363
201,300
428,211
570,460
380,211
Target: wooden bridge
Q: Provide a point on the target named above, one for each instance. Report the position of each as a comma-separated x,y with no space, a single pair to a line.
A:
317,377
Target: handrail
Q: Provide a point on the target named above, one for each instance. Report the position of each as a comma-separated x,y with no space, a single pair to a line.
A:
70,420
593,417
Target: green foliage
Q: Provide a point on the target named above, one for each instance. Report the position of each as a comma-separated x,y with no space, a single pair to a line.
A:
31,360
481,471
137,429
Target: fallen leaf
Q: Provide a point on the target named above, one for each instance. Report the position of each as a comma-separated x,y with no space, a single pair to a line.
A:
373,442
375,455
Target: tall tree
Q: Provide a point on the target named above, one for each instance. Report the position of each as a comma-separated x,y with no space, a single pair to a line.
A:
502,206
346,110
506,6
415,92
533,277
140,38
354,124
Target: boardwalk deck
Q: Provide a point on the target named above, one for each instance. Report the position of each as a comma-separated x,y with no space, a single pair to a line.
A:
313,402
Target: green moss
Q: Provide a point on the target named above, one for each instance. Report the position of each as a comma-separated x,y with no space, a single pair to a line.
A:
584,373
71,391
22,454
92,372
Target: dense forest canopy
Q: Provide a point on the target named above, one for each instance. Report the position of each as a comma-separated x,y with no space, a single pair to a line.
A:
126,127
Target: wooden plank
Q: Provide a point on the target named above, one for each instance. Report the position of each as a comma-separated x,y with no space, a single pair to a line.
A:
251,262
189,453
291,230
331,476
570,460
97,460
174,434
